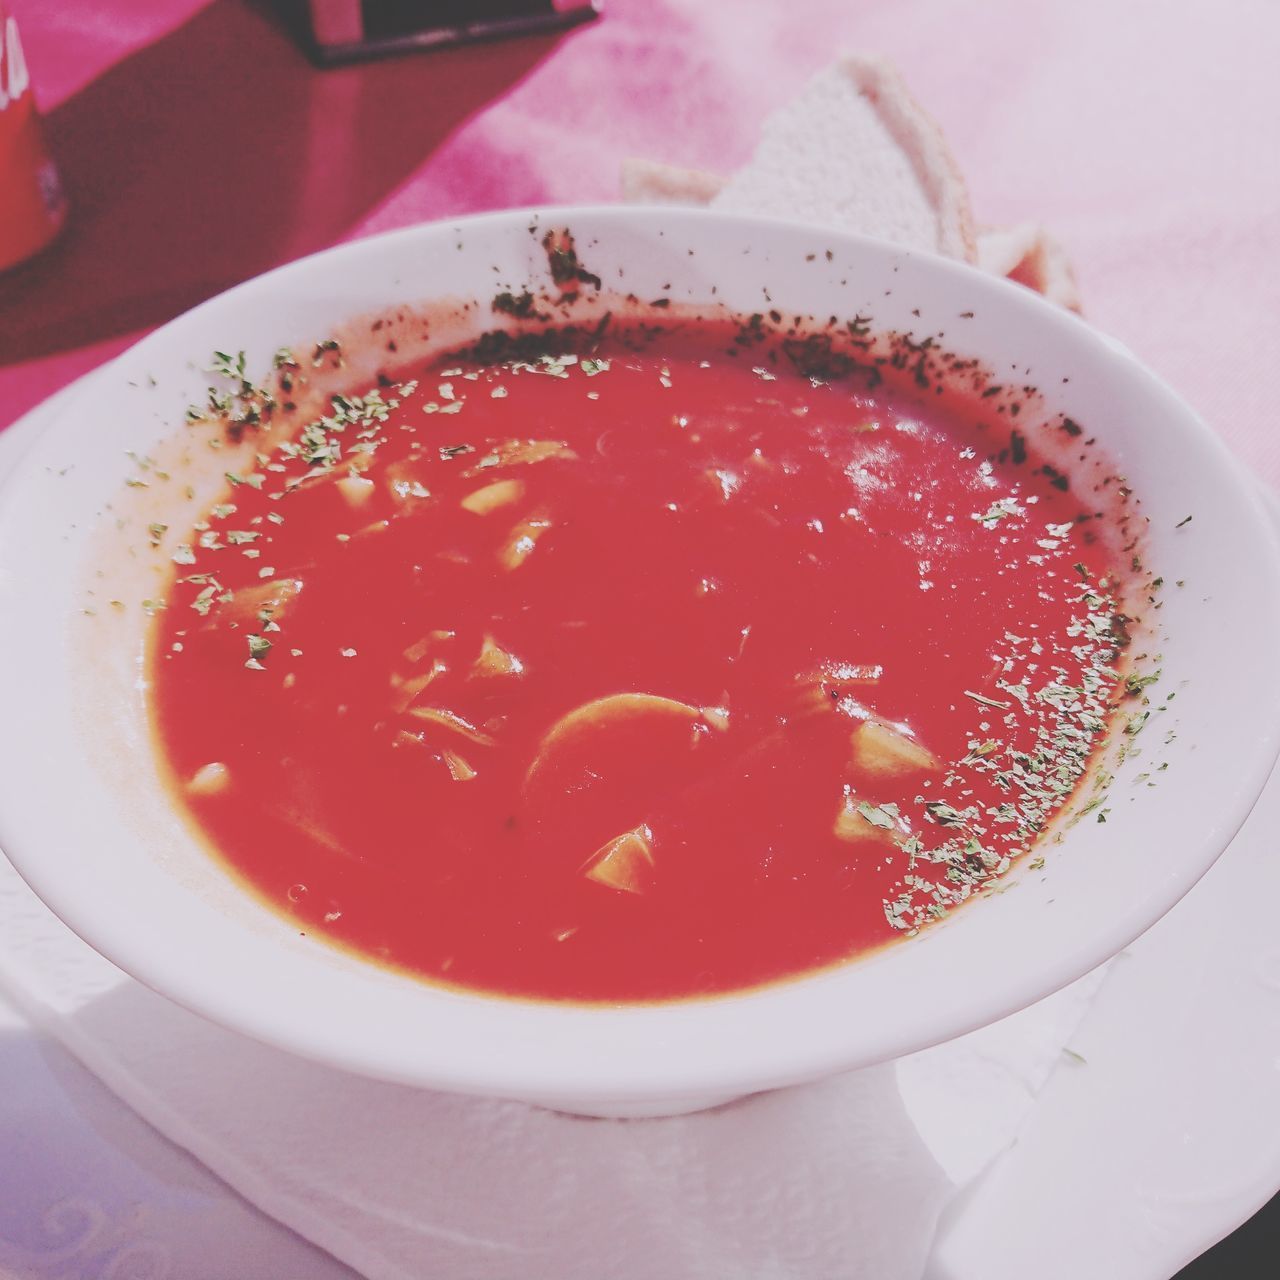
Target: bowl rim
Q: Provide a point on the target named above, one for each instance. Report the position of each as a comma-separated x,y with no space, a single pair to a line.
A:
826,1046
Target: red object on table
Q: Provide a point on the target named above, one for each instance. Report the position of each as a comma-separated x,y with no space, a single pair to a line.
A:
32,206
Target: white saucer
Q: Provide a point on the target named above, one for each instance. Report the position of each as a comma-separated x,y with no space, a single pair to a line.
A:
1137,1159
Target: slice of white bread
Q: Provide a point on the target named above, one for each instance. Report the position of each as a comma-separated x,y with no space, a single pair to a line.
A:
856,151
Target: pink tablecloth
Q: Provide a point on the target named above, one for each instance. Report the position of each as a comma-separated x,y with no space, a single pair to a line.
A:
200,147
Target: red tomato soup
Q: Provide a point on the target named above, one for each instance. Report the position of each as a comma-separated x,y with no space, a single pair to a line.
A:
649,673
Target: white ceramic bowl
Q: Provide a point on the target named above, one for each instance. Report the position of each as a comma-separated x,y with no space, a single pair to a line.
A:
85,819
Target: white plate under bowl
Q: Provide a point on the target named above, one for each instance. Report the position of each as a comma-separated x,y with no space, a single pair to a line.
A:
119,866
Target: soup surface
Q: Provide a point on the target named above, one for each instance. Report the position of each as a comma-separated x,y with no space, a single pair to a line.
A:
635,675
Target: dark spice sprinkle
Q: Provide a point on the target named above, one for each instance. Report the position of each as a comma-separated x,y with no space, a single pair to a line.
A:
562,261
1055,477
1070,426
509,303
1180,523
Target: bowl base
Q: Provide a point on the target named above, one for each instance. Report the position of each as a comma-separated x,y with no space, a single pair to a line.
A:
626,1109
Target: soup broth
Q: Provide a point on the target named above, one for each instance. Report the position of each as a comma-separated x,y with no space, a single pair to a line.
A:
647,669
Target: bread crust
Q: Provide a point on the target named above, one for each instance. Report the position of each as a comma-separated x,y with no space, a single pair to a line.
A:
651,182
921,138
1030,255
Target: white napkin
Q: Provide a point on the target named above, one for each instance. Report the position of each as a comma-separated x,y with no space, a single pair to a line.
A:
838,1180
833,1181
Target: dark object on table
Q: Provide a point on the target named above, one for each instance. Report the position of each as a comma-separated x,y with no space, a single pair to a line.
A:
1248,1254
347,30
